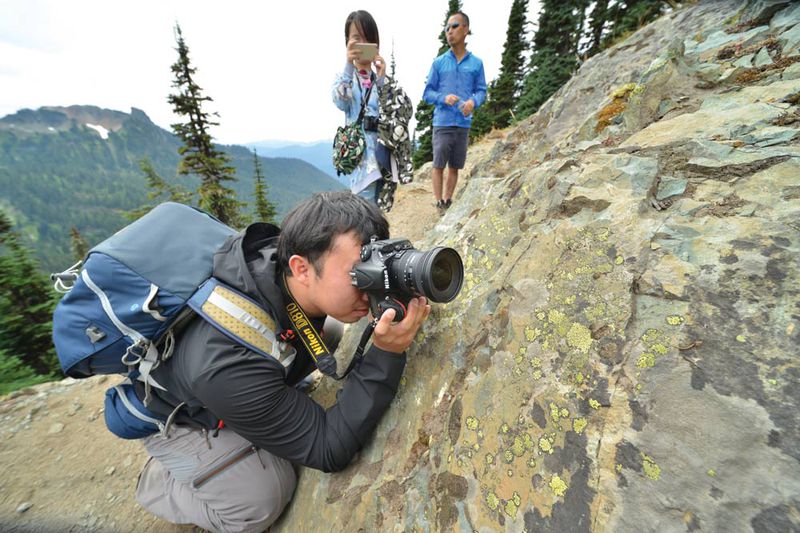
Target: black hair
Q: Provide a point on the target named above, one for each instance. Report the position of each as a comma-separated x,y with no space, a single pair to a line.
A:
367,24
310,228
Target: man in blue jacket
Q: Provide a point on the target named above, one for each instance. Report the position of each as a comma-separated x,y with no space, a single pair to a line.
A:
456,86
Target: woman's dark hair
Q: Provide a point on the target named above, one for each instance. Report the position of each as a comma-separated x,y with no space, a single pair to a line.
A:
367,25
309,229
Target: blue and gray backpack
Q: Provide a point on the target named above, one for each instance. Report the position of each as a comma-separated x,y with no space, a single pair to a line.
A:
121,307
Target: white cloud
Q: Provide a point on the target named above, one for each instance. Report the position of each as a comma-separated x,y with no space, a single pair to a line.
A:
268,66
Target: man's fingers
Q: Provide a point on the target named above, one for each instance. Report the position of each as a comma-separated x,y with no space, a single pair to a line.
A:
385,322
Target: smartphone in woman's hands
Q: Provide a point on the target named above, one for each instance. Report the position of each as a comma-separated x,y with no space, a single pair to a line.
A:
368,50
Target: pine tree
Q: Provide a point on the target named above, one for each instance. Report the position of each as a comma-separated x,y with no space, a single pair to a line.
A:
199,156
265,210
26,305
509,82
392,65
553,60
423,132
78,244
629,15
598,20
159,190
14,374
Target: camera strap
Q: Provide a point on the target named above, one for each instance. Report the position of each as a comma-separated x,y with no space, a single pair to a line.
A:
314,343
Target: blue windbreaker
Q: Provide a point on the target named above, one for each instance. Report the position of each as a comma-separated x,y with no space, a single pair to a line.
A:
465,79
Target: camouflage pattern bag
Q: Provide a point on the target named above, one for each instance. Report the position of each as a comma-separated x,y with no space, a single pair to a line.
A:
348,148
349,142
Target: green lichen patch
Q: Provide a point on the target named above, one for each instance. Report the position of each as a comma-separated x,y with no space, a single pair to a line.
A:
546,444
651,335
651,469
646,360
559,321
675,320
558,485
511,508
555,412
594,404
492,500
518,448
659,348
578,425
711,472
489,459
472,423
579,337
508,455
527,441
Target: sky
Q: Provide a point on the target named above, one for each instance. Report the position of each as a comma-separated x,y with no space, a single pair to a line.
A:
268,66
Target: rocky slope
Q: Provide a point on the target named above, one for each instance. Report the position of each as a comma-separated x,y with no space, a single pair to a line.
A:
624,354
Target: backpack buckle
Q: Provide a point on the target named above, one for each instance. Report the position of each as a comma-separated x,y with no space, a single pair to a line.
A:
134,354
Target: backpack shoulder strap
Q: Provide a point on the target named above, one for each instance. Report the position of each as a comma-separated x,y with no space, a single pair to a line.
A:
241,319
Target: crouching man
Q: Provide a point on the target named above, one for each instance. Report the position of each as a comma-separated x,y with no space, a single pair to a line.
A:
239,422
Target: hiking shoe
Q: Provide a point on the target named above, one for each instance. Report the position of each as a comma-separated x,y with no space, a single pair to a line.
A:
447,203
441,206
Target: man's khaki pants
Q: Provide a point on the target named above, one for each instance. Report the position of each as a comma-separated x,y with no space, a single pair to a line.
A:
218,483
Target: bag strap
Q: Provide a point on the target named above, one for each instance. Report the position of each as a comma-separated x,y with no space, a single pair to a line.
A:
241,319
365,99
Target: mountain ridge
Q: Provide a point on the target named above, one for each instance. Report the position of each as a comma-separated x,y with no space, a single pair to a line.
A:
78,166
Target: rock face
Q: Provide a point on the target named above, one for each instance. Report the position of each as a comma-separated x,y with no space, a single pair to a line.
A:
624,353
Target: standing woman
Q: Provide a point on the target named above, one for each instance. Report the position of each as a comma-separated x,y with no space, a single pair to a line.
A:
359,83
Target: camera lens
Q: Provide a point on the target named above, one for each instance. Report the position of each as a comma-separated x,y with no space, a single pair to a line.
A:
436,274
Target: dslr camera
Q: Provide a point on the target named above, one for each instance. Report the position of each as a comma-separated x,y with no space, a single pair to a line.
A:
392,272
370,123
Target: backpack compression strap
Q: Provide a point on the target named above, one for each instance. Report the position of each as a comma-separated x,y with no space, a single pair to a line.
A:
241,319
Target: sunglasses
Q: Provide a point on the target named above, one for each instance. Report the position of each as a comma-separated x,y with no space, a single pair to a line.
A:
451,26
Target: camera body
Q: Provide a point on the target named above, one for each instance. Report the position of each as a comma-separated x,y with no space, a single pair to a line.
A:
392,271
370,123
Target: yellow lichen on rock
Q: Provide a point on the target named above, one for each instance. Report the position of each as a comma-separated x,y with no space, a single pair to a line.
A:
558,485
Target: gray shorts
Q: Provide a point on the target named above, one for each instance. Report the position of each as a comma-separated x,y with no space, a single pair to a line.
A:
450,147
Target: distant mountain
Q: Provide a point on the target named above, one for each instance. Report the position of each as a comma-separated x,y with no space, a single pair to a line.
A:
78,166
316,153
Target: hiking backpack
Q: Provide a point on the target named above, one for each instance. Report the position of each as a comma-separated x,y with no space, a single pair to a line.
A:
121,306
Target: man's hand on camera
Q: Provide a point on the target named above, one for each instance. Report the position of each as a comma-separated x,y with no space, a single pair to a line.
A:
396,338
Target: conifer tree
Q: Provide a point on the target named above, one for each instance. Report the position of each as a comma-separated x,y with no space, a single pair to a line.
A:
26,305
423,133
265,210
598,20
504,91
78,244
199,156
627,16
159,191
553,60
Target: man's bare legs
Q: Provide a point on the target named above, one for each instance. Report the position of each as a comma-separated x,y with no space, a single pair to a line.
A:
450,184
436,178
